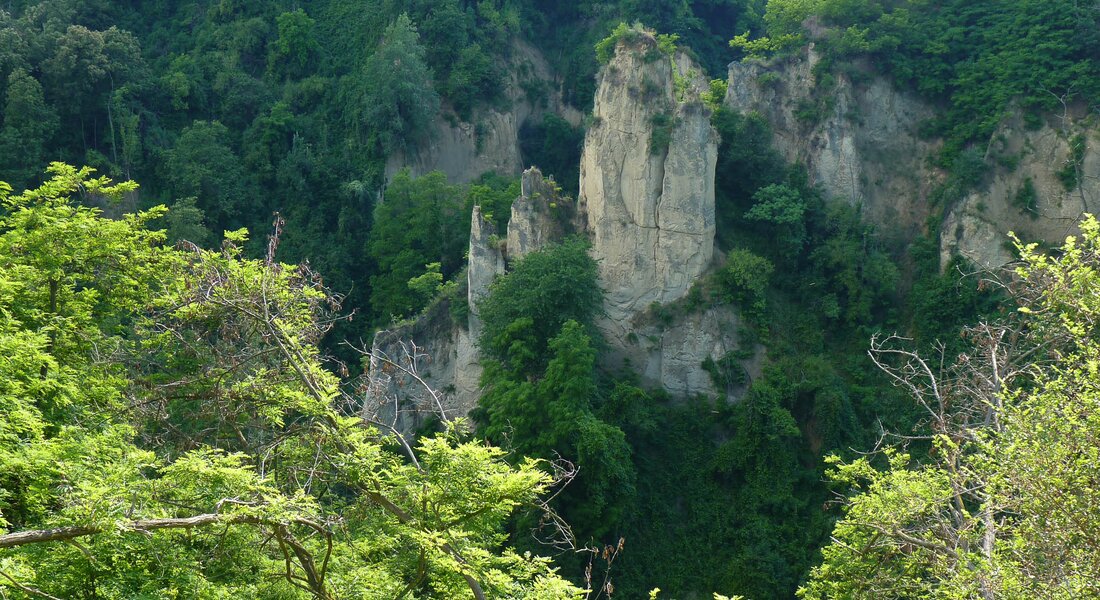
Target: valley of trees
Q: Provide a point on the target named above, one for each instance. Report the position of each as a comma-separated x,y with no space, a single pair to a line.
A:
184,365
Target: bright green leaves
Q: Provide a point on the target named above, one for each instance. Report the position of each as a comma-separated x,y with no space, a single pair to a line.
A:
782,208
1005,504
169,411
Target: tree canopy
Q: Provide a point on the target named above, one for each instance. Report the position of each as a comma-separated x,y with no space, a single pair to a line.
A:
168,426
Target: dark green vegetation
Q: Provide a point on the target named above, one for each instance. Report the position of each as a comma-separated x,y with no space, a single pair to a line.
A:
235,110
734,492
978,59
120,375
1005,505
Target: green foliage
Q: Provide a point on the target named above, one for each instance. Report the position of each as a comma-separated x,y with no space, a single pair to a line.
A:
944,302
554,146
184,222
420,221
746,163
1002,458
203,166
715,94
549,413
661,126
605,48
666,43
296,43
394,92
429,284
981,57
766,46
861,276
494,194
783,209
29,124
527,307
725,373
1026,199
744,281
167,427
540,387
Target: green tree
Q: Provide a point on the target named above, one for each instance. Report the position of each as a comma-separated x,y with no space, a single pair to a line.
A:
204,166
419,221
1004,505
744,281
29,124
527,308
784,210
395,98
167,426
296,44
540,394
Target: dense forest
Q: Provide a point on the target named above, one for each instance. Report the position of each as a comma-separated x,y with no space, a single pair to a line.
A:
184,362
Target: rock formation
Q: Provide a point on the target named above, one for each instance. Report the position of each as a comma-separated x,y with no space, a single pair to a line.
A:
859,142
647,204
539,216
444,353
647,184
1027,195
490,141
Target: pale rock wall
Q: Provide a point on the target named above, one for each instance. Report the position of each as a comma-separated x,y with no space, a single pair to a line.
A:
490,142
671,354
650,214
429,345
977,227
865,150
446,354
540,215
486,261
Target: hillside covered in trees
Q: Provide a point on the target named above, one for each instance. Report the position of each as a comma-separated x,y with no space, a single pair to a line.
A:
760,331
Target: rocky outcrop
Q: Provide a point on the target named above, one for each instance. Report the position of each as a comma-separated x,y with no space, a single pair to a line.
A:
647,203
442,352
486,261
858,141
647,184
1027,196
428,347
541,215
463,151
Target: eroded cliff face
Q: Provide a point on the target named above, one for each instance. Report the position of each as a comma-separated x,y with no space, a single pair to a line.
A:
490,141
1029,197
442,352
859,142
647,183
540,215
647,204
